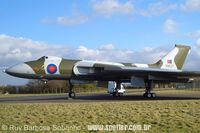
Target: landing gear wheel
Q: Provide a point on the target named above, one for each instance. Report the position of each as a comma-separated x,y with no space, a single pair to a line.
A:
116,94
145,95
149,95
153,95
72,95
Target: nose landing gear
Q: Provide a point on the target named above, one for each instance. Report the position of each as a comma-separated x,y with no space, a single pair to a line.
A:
71,93
119,90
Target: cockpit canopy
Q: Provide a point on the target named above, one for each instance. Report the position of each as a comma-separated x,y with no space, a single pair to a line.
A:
49,58
43,58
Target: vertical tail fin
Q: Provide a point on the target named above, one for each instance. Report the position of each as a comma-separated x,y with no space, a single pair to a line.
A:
174,60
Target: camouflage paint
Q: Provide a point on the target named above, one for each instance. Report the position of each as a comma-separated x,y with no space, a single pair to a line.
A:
66,66
37,66
156,65
128,64
181,56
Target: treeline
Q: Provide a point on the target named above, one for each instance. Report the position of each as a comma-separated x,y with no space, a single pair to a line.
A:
53,86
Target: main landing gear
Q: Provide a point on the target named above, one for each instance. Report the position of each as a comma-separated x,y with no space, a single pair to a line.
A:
149,87
71,93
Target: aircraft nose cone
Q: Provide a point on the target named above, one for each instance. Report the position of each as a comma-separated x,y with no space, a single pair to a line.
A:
19,69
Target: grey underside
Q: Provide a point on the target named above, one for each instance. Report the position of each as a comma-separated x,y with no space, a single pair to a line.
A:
124,74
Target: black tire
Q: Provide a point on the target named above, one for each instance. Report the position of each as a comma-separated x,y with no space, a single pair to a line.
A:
149,95
145,95
117,94
114,94
121,94
72,95
153,95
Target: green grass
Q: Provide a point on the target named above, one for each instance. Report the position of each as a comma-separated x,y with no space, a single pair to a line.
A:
49,94
21,95
133,91
163,116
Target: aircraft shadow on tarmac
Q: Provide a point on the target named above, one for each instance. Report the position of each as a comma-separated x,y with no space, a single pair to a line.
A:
137,97
96,97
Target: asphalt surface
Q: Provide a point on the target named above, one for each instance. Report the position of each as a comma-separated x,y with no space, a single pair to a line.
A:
95,98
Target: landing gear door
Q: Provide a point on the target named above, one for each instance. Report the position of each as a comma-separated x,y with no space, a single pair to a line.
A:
137,81
111,86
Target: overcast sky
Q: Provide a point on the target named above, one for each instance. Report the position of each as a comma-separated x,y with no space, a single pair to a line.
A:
137,31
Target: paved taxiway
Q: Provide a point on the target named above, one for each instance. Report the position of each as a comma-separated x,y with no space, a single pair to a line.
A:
94,98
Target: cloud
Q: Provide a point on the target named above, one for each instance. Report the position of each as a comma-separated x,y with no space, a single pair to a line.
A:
156,9
109,53
170,26
111,7
18,49
67,21
15,49
18,54
107,47
193,62
86,53
108,8
105,52
72,21
191,5
198,42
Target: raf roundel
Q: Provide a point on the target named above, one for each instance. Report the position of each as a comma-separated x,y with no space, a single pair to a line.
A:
51,68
